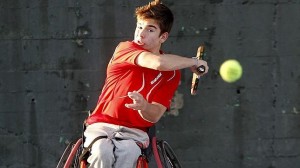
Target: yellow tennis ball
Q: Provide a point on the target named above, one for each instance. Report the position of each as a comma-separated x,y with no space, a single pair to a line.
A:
231,71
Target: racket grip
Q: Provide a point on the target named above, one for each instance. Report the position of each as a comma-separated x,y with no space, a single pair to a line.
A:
201,69
195,82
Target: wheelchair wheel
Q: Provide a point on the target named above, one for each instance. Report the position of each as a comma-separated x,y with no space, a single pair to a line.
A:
164,155
65,155
70,157
169,156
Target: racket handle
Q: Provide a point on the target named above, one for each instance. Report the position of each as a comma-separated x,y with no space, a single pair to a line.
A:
201,69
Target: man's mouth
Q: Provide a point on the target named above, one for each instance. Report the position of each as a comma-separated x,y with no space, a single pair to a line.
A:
140,43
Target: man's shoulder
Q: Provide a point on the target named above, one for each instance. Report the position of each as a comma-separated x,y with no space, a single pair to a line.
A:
128,44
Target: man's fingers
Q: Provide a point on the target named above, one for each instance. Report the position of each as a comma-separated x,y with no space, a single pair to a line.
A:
134,95
137,100
134,106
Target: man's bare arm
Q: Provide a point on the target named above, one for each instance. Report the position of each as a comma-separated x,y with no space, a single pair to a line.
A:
167,62
151,112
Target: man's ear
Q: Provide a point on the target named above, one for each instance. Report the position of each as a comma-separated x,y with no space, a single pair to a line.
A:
163,37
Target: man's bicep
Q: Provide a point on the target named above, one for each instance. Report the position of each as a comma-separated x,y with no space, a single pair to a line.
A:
147,60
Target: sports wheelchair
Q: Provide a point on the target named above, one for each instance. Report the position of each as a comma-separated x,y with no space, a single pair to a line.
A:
75,154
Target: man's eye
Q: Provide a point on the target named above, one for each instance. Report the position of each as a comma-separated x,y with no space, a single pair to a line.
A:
150,30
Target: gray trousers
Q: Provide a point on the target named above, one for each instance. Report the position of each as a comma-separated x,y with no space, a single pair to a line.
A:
120,150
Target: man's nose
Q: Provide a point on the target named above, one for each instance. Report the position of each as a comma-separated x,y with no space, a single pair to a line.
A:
142,33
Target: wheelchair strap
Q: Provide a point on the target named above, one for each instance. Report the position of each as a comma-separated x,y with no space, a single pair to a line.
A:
87,149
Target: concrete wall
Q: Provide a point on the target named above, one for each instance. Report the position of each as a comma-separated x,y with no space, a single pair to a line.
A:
53,56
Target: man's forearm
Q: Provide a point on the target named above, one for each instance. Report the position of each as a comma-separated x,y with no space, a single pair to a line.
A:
152,112
165,62
174,62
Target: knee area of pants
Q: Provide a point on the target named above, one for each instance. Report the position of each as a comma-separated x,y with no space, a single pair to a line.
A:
134,149
102,150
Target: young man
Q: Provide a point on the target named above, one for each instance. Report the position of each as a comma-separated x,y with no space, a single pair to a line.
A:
140,83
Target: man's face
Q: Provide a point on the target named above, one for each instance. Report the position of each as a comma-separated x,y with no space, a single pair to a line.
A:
147,35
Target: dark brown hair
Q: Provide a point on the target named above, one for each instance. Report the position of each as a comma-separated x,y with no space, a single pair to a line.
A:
157,11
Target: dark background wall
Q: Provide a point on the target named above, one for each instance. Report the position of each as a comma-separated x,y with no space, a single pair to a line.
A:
53,57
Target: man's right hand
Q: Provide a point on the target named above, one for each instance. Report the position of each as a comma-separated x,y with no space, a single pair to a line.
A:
200,63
